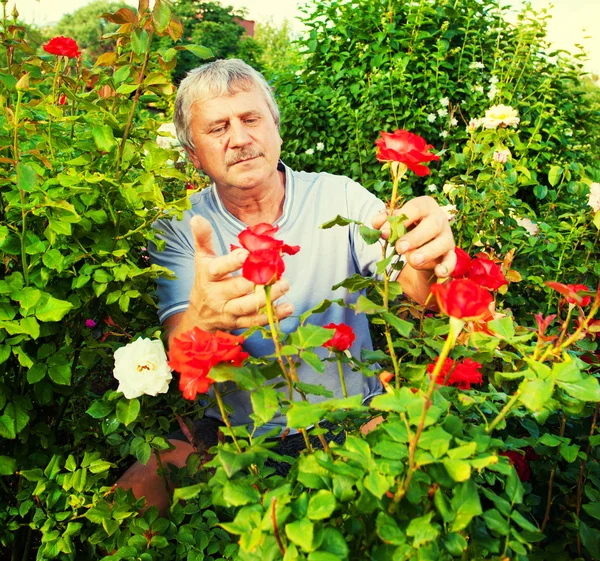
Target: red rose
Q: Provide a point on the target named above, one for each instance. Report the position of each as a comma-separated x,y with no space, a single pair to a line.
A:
260,236
264,266
520,462
62,46
463,299
62,100
486,273
407,148
570,291
463,263
459,374
342,338
195,352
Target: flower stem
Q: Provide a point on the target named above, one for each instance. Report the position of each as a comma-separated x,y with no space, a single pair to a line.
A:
163,474
551,480
505,411
225,417
456,326
341,372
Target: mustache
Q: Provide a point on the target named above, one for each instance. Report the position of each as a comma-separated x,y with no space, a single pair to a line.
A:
243,154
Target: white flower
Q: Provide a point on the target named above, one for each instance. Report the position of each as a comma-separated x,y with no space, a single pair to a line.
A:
444,134
310,152
501,156
141,367
450,189
594,196
320,146
431,188
169,138
453,122
444,101
442,112
494,80
529,225
478,88
476,64
493,92
431,117
568,132
450,211
473,125
500,116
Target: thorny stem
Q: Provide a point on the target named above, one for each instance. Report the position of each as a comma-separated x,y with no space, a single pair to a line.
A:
275,528
21,191
581,474
341,373
288,377
225,417
551,480
505,411
136,97
163,474
455,327
565,324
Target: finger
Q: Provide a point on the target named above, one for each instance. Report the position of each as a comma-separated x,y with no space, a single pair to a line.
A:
379,219
417,209
249,304
202,233
433,227
445,268
430,254
218,268
281,312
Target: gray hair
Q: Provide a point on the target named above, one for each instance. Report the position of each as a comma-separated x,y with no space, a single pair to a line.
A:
216,79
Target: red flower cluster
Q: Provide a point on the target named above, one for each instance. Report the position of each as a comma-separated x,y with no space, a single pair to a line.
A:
342,338
407,148
521,461
195,352
463,299
62,46
480,270
459,374
264,265
570,292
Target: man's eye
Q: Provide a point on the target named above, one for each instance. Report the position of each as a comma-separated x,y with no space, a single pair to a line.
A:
218,130
252,120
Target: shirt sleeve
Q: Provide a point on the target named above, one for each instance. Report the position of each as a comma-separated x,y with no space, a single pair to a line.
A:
178,257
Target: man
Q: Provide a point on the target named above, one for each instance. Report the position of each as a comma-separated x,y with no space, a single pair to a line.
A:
228,122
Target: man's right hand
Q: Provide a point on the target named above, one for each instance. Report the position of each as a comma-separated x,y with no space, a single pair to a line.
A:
219,299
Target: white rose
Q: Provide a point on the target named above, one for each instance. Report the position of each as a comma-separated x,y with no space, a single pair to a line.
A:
310,152
431,117
444,101
501,156
529,225
442,112
450,211
594,197
320,146
141,367
500,115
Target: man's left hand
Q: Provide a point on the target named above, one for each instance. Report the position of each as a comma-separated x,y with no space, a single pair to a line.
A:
428,244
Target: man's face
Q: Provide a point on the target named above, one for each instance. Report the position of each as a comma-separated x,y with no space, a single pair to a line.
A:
237,141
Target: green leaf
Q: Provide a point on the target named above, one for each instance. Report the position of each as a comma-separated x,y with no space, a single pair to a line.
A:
100,409
310,336
128,410
26,177
54,259
37,372
187,493
377,483
140,41
536,393
303,414
586,389
60,374
199,51
388,530
554,175
370,235
313,360
496,522
365,306
459,470
593,509
402,326
569,453
100,466
320,308
338,221
53,309
503,327
301,532
422,530
590,538
161,15
264,403
597,219
321,505
8,465
313,389
104,139
140,449
466,504
540,191
239,492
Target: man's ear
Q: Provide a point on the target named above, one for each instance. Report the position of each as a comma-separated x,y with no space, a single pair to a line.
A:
193,158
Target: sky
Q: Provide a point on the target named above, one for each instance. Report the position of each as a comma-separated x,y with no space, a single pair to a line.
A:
573,21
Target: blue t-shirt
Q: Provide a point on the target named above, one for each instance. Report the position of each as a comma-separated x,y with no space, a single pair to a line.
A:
326,257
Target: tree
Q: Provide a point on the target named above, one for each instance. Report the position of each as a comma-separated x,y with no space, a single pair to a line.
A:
280,52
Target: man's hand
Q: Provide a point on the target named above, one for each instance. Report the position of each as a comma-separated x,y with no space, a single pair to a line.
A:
219,299
428,245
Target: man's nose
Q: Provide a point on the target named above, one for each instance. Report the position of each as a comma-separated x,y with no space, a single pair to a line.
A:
238,135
